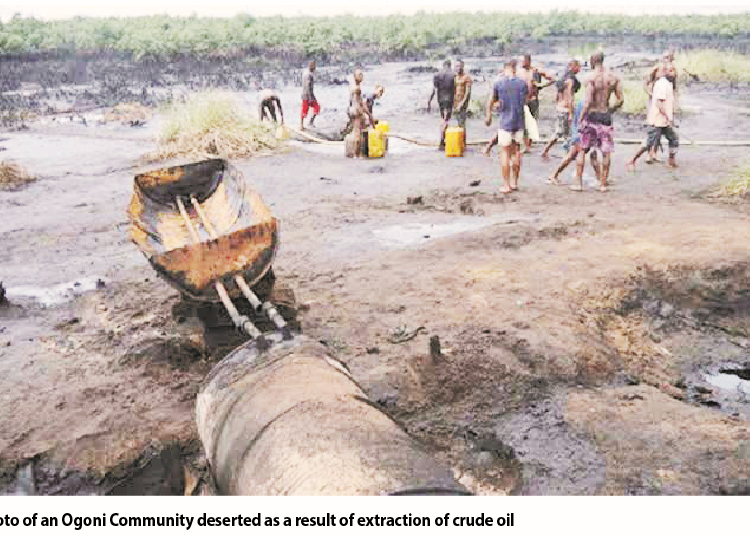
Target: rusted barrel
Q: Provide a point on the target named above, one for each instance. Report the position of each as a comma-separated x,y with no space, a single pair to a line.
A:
292,421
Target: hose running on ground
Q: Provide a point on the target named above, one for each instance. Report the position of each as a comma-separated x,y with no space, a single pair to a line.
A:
622,141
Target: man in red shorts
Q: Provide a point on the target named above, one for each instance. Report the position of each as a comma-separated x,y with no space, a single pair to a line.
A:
596,125
308,96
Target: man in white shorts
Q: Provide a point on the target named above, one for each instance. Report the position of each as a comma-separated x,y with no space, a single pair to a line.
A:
509,94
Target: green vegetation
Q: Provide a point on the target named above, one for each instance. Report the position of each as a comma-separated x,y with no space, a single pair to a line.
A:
13,176
714,65
163,35
739,185
211,124
636,98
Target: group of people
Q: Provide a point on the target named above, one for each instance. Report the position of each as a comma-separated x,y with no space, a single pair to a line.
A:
584,112
269,102
359,112
584,121
453,91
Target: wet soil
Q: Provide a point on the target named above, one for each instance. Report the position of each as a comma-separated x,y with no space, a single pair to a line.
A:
576,329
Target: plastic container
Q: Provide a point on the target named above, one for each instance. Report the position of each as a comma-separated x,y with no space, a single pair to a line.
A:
282,133
376,143
454,141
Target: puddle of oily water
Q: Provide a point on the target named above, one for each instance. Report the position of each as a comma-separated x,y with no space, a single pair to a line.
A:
55,295
729,381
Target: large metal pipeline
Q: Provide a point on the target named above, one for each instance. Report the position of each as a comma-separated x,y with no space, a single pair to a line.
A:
290,420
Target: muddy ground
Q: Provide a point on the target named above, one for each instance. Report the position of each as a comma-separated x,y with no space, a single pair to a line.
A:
583,335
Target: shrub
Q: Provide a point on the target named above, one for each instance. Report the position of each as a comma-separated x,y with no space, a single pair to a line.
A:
211,124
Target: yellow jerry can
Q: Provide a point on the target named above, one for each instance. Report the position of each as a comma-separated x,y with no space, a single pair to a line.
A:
376,143
454,141
282,132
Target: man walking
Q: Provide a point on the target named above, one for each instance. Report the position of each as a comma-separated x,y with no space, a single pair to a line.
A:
574,145
488,149
462,95
533,78
666,67
660,120
308,95
566,90
596,125
444,85
510,94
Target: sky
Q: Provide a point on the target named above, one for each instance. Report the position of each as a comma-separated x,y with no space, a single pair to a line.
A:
58,10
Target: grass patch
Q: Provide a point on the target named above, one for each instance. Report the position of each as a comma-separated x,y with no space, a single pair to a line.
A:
715,65
13,176
585,50
739,185
636,98
209,125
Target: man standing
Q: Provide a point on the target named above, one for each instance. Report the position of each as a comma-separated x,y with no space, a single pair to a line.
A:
488,149
533,78
444,85
358,113
368,100
269,102
462,96
666,67
596,126
566,90
355,82
660,119
308,96
510,94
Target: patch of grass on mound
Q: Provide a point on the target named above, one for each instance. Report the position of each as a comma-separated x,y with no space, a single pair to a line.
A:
13,176
739,185
715,65
636,98
210,125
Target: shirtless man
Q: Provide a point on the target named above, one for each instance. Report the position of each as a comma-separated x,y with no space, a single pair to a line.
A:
368,99
308,96
666,66
566,90
444,85
269,102
355,81
596,120
462,95
574,144
533,78
358,113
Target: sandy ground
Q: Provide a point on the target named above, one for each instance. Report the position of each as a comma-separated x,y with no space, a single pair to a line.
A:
577,329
